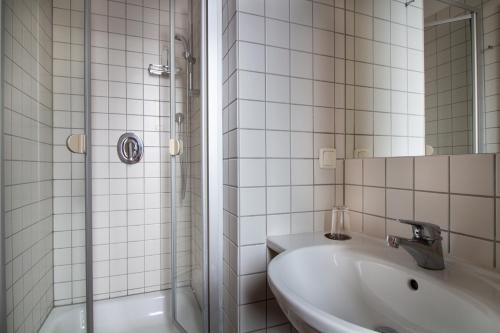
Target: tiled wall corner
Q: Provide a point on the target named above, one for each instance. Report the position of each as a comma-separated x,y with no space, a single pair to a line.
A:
27,169
232,115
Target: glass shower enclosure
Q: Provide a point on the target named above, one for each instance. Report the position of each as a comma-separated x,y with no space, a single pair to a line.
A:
104,222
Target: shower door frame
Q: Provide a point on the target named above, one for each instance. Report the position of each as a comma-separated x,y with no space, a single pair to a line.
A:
211,161
89,271
211,90
3,299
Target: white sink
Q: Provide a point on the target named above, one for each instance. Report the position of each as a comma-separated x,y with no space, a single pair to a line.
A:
368,288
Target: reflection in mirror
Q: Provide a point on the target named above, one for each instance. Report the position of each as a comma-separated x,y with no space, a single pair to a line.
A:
423,79
448,79
388,94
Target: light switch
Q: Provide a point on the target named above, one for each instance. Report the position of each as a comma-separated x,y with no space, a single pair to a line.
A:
327,158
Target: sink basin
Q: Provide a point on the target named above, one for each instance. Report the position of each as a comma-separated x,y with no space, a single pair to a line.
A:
376,289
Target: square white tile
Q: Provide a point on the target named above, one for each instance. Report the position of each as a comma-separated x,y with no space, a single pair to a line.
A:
472,174
431,173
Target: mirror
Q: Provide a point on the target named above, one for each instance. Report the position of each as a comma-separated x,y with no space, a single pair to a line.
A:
424,79
449,79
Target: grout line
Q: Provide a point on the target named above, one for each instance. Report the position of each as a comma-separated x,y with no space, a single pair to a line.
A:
143,180
495,211
390,80
448,160
71,165
428,191
345,107
290,117
451,232
373,94
406,69
313,109
332,133
265,157
414,213
362,196
385,194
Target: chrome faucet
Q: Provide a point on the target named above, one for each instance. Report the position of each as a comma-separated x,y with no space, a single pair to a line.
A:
425,246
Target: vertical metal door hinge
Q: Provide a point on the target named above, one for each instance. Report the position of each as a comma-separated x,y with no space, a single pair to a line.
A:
77,143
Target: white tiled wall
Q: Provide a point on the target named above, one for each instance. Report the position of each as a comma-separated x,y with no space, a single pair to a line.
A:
68,173
300,75
460,193
456,192
131,203
28,164
282,101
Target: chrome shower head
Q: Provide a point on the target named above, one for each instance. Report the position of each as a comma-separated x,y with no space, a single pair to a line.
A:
187,48
184,41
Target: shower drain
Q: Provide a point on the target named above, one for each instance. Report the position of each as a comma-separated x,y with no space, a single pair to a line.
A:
385,329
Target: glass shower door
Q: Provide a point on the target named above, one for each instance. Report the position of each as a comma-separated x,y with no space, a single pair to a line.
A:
185,149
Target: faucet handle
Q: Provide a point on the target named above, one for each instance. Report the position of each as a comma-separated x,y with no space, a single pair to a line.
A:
424,230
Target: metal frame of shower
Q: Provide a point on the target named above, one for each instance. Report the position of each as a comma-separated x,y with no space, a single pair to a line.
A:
211,96
211,163
173,166
3,286
478,118
89,276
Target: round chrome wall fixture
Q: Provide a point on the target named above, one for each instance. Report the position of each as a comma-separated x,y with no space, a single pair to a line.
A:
130,148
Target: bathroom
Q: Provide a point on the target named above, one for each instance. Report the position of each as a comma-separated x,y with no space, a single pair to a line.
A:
175,166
